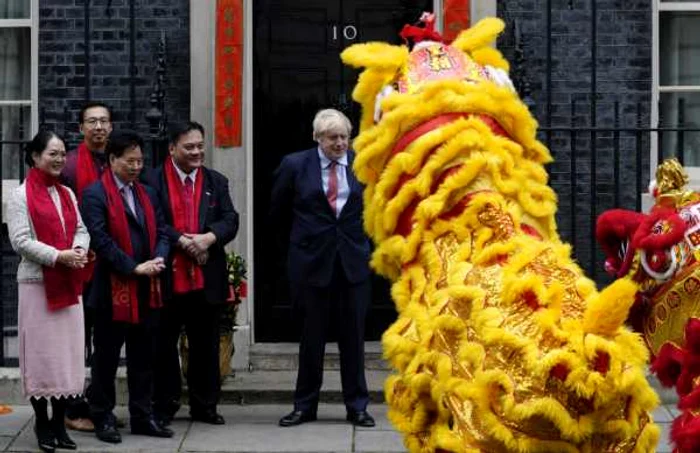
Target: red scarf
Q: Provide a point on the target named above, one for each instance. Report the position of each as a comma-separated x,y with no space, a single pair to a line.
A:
63,285
87,171
125,305
187,275
85,174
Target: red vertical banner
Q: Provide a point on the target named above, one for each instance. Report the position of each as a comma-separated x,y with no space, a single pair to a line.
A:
229,73
456,17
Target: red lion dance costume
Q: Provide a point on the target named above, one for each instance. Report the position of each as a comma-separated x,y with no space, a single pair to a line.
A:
501,344
659,251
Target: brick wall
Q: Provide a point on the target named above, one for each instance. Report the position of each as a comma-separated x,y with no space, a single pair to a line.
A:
62,76
623,63
62,59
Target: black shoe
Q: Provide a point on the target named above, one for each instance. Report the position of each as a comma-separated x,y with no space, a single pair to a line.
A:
45,437
150,427
360,418
62,439
164,413
106,431
296,417
163,420
210,417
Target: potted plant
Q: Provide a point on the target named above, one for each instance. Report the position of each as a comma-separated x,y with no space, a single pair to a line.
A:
238,290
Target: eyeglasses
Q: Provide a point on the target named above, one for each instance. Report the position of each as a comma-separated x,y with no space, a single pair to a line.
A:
92,122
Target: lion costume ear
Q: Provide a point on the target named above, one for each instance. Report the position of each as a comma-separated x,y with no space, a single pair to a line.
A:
382,63
477,40
375,55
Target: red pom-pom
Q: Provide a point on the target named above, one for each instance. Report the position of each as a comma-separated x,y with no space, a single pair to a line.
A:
691,401
531,300
668,364
685,433
643,237
657,260
602,362
559,371
692,335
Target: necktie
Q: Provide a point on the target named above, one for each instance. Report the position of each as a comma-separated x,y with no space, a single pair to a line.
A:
189,204
128,197
332,194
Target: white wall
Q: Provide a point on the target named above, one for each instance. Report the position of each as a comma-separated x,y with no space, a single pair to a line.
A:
232,162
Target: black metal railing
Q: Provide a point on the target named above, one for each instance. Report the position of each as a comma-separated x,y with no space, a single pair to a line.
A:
608,167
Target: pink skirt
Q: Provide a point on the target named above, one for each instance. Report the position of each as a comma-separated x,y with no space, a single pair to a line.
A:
51,345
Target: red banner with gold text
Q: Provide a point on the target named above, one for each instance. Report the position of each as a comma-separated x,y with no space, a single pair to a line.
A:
456,17
229,72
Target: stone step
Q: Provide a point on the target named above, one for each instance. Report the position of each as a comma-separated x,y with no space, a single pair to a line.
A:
285,356
241,387
277,386
265,386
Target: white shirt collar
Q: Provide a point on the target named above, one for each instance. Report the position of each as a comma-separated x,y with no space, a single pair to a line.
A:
325,161
183,175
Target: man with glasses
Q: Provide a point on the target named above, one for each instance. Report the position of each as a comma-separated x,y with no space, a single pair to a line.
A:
84,166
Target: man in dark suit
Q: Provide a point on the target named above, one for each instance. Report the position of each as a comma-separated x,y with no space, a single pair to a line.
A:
327,263
84,166
200,221
127,233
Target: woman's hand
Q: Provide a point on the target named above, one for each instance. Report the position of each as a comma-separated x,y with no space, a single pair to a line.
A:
73,258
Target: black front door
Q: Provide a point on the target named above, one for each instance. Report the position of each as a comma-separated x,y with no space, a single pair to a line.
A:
297,71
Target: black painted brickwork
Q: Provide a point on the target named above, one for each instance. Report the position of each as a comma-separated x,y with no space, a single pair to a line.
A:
62,59
623,61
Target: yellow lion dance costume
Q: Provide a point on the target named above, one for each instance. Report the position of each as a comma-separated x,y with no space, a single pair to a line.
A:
502,344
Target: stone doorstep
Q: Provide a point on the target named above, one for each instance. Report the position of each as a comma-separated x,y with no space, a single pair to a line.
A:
285,356
270,386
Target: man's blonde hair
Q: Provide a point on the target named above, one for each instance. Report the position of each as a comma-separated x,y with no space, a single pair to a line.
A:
329,119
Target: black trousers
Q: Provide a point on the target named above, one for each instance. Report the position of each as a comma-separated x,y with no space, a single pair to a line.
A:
346,304
201,322
109,337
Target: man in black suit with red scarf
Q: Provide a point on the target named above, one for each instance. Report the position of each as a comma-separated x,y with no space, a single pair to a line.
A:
127,234
200,220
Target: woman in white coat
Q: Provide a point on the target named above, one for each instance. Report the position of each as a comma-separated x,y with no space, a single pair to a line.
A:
46,230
